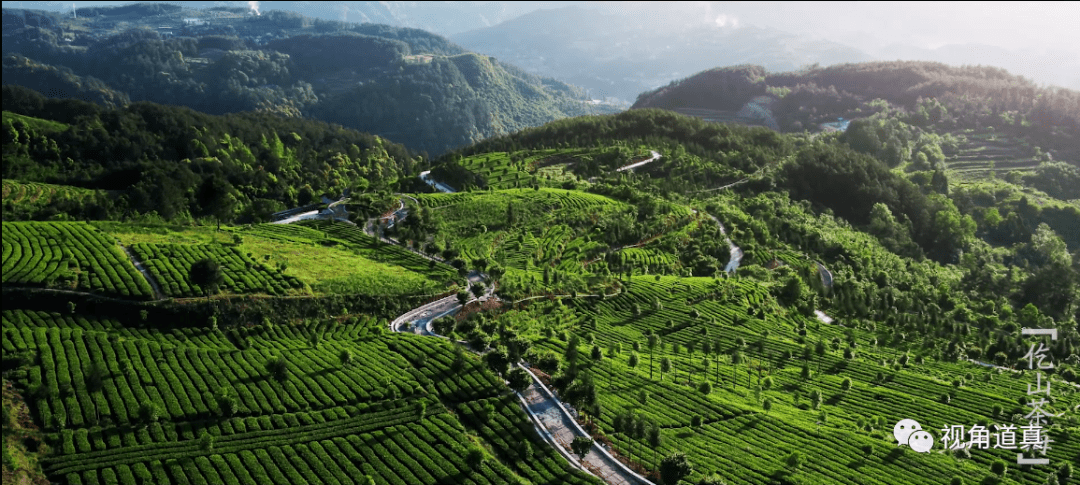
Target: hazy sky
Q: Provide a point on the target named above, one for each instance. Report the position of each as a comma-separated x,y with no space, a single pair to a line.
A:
1040,40
1012,25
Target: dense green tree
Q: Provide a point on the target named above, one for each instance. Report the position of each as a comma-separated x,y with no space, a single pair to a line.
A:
497,361
346,357
674,468
653,340
278,368
475,457
208,275
149,412
581,446
519,379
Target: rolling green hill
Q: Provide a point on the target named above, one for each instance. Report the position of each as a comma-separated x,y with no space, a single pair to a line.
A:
866,292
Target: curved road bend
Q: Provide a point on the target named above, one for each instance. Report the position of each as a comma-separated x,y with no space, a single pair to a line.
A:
418,320
438,186
736,252
655,157
553,420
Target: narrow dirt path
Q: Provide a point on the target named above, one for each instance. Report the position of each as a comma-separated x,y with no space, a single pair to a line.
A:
158,294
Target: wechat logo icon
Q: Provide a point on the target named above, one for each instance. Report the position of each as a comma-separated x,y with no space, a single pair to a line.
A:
909,432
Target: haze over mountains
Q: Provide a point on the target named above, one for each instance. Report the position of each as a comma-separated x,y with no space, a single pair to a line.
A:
617,50
619,54
643,47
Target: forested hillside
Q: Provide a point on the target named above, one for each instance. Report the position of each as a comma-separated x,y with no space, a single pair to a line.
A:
410,86
930,93
180,164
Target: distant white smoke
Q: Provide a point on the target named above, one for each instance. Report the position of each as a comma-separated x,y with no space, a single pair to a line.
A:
254,7
725,21
73,14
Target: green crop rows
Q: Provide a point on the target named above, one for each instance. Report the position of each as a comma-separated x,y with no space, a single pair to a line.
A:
171,265
371,248
39,194
68,255
323,422
738,439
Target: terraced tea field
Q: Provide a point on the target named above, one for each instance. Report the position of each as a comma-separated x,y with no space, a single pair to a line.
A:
743,442
170,264
322,263
69,255
139,406
982,155
481,226
40,194
353,239
546,168
502,172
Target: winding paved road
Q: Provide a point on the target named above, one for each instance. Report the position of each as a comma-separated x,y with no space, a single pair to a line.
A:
426,177
560,429
736,252
655,157
418,320
552,419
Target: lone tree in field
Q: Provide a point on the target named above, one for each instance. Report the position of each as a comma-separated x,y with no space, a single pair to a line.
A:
497,361
475,457
226,403
653,341
95,377
581,446
794,460
674,468
207,274
149,412
736,359
206,442
216,198
346,357
665,366
278,368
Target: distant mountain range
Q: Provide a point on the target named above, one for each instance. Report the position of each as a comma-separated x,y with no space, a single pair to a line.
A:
411,86
620,55
443,18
